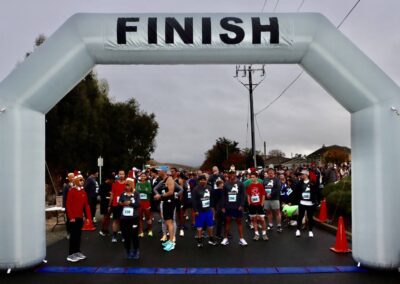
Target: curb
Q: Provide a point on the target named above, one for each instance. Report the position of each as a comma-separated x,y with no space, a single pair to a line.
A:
331,228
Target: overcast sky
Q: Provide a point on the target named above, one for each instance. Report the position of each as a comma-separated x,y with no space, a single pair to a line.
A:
195,105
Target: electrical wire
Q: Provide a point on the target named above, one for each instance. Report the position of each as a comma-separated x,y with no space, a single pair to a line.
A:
301,5
301,73
276,5
348,14
265,4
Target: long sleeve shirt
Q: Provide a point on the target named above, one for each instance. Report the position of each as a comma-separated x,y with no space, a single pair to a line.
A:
77,203
234,195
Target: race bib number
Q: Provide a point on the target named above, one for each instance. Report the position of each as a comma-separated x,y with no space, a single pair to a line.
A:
176,195
189,195
268,190
255,199
205,203
232,197
117,199
289,191
127,211
306,195
163,191
143,196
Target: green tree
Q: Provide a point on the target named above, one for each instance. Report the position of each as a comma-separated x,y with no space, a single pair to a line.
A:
86,124
220,155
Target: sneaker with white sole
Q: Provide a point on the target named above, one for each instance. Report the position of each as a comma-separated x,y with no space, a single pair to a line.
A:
73,258
297,233
170,246
114,240
242,242
225,242
265,237
150,234
80,255
310,234
256,237
181,233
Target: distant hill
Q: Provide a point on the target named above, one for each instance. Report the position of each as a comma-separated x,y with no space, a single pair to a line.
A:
155,163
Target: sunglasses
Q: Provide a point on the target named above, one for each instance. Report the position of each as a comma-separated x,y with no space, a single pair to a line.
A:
81,180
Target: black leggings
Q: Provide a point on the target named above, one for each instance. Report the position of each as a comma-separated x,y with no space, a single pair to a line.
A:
129,233
310,214
75,235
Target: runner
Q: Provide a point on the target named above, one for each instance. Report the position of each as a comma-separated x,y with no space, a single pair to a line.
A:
104,193
308,194
143,187
187,207
130,203
118,188
167,188
256,198
203,210
272,187
77,203
218,205
234,198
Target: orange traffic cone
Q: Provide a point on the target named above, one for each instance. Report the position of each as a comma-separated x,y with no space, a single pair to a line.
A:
323,216
341,245
88,226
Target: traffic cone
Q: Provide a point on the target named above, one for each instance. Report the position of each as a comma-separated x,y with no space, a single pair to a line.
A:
341,245
88,226
323,216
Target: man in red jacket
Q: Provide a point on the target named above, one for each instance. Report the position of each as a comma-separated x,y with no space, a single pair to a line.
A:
77,202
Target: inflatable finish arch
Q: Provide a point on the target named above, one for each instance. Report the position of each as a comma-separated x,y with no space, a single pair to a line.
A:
310,40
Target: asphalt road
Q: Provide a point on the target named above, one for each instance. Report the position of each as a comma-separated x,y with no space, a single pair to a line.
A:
284,259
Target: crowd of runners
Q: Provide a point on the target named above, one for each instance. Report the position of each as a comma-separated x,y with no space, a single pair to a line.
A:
206,202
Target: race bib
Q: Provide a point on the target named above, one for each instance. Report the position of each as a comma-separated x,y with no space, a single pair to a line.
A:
205,203
232,197
127,212
268,190
255,199
117,199
306,195
143,196
163,191
189,195
289,191
176,195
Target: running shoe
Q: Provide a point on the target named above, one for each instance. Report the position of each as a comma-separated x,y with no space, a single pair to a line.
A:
80,255
150,233
102,233
242,242
163,239
270,227
114,240
199,244
212,242
141,235
279,229
72,258
256,237
265,237
165,243
181,233
310,234
297,233
135,254
170,246
251,226
225,242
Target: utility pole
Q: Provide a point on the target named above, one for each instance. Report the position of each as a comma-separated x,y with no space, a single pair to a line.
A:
247,71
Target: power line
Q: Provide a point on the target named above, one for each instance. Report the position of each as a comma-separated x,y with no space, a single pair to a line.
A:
348,14
282,93
276,5
301,73
301,5
265,4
